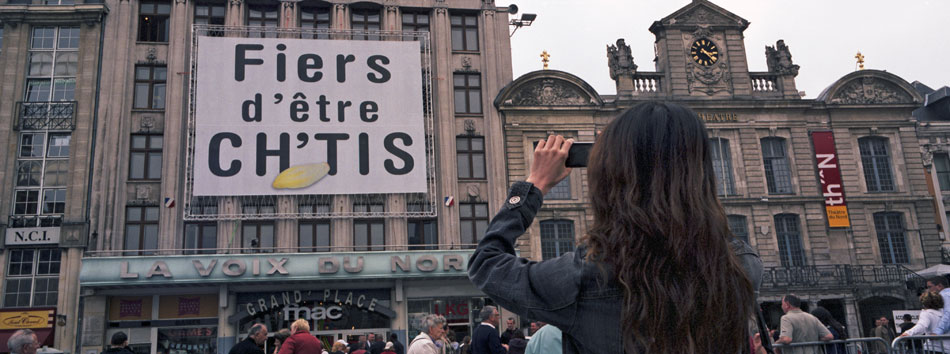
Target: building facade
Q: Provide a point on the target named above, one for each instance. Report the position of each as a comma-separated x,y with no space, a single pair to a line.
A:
50,60
848,244
182,273
933,130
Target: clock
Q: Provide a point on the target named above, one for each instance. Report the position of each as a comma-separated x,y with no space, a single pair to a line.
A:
704,52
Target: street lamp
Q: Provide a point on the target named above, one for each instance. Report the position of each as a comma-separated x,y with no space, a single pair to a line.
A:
525,20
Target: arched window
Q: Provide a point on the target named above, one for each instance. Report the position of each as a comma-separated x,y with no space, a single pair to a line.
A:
739,228
890,237
557,238
722,164
789,240
778,176
877,164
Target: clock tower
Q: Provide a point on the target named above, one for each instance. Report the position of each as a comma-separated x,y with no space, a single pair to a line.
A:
701,52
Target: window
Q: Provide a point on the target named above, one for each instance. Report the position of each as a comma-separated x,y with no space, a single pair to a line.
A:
59,2
778,176
42,168
942,165
468,93
722,165
145,162
257,236
368,234
423,233
738,226
201,238
210,14
789,240
141,229
557,238
366,20
464,32
53,63
890,237
153,21
204,205
470,157
262,16
877,164
313,236
32,277
415,22
561,190
473,220
317,18
149,87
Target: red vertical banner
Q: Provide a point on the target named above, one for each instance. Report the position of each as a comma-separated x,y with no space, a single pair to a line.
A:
826,157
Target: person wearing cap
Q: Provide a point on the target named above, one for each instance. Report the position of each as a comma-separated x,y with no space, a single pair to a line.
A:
389,348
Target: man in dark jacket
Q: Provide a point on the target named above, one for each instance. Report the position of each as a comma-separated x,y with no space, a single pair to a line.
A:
509,330
397,347
120,343
485,338
256,336
377,345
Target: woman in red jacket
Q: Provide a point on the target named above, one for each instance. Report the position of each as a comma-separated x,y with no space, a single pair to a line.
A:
301,342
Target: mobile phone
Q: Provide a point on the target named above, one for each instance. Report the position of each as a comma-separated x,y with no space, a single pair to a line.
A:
578,154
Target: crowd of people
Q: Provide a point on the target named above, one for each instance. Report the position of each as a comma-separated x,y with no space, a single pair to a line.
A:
298,340
485,338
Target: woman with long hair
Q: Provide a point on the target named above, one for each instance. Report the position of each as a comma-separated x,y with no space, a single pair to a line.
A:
927,324
835,327
654,273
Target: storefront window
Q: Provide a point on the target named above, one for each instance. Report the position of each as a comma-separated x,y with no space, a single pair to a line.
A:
195,340
340,310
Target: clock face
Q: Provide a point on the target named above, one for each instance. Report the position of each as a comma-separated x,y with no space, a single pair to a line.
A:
704,52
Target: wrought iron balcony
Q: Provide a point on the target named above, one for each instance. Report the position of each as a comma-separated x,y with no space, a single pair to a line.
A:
45,115
839,276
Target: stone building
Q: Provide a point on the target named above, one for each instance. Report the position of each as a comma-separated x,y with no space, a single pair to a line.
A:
933,129
846,245
183,273
50,60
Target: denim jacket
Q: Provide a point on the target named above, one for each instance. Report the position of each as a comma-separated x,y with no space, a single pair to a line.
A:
568,292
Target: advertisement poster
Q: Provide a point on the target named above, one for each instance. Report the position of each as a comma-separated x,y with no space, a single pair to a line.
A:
278,116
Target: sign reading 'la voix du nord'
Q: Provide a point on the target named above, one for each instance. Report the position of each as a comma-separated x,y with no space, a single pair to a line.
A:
294,116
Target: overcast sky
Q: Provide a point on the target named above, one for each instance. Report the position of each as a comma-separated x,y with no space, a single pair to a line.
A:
908,38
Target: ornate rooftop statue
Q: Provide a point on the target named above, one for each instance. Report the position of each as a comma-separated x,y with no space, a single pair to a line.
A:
779,59
620,60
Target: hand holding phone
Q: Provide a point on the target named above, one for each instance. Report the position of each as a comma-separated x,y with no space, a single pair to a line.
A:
548,166
578,155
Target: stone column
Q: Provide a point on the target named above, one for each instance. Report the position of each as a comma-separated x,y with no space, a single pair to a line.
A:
235,13
289,13
391,19
853,320
444,124
94,316
176,93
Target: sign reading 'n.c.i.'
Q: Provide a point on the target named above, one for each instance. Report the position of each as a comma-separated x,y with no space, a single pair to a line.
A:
294,116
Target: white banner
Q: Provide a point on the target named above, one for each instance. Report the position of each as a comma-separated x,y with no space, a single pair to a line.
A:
295,116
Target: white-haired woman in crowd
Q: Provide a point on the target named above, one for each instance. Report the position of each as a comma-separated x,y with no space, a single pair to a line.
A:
433,328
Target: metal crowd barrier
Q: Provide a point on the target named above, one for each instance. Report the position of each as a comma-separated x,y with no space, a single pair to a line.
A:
921,345
871,345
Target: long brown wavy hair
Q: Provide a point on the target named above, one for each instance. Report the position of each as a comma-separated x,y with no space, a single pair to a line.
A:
661,233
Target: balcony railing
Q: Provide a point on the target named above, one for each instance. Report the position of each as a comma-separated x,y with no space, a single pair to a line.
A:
839,276
765,85
45,115
35,220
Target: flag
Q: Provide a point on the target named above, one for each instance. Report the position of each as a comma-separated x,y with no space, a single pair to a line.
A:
449,201
169,202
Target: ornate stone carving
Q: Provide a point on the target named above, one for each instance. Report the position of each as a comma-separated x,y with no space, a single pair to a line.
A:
619,60
441,10
150,58
392,9
236,2
473,190
869,90
703,15
470,126
339,7
142,192
489,13
148,122
779,59
467,63
709,79
179,2
288,5
548,92
702,31
928,150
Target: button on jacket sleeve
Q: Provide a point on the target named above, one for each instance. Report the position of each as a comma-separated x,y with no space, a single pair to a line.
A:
546,290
